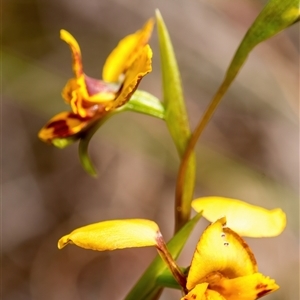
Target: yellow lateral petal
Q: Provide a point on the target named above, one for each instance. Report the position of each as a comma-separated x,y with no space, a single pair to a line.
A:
140,68
213,295
63,125
82,103
124,54
196,293
249,287
73,87
220,250
75,94
114,234
76,53
243,218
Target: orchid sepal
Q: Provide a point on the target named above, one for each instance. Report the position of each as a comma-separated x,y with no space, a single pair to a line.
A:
244,218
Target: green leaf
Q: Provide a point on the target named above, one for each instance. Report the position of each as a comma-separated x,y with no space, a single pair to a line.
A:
148,286
145,103
166,279
275,16
176,117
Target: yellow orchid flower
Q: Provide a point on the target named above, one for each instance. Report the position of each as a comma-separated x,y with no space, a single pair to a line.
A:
244,218
91,99
224,268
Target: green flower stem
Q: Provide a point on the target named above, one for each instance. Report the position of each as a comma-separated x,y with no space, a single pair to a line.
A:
176,118
275,16
85,140
192,143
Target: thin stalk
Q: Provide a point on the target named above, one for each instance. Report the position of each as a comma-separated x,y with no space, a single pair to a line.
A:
193,140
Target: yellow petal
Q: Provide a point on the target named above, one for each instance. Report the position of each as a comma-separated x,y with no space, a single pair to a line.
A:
220,250
249,287
76,54
213,295
124,54
243,218
63,125
196,293
114,234
133,76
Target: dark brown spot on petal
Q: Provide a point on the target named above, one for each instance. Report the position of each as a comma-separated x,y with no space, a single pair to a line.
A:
263,293
55,123
60,128
194,296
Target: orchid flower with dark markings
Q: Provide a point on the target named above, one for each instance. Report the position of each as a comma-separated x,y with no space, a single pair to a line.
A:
91,99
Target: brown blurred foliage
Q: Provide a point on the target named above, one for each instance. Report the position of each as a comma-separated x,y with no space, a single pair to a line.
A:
250,150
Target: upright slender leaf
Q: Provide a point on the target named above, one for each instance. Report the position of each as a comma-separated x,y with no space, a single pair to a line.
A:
275,16
176,118
147,287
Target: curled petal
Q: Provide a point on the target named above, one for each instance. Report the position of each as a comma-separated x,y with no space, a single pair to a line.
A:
249,287
77,94
76,53
68,92
244,218
220,250
125,53
114,234
74,92
63,125
133,76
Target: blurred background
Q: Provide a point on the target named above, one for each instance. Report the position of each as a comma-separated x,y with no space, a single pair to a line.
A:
250,150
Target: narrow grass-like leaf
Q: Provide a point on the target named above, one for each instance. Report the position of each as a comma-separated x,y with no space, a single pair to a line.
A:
166,279
275,16
147,287
176,118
